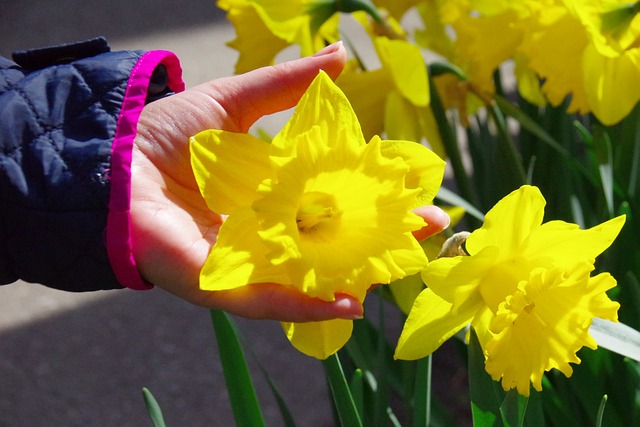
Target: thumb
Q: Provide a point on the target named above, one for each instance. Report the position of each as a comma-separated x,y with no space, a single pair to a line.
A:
247,97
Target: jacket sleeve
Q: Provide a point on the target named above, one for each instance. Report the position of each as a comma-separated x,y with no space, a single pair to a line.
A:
68,118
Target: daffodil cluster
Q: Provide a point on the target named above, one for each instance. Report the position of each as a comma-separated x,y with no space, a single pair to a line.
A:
583,52
317,209
526,288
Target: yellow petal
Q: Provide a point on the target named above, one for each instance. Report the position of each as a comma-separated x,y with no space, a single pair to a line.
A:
407,67
567,244
509,222
405,291
324,106
228,168
457,279
559,64
608,82
429,325
426,169
367,92
319,339
255,43
239,257
401,119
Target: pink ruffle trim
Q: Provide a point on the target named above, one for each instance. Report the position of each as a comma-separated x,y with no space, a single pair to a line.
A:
118,233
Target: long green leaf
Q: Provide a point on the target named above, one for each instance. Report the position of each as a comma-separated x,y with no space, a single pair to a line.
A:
513,409
485,398
538,131
345,406
448,196
153,408
450,143
357,391
600,415
509,158
244,402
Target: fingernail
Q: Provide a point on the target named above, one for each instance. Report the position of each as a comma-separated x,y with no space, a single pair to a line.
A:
353,309
329,49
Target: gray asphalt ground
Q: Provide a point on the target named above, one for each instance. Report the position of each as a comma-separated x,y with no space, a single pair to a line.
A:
81,359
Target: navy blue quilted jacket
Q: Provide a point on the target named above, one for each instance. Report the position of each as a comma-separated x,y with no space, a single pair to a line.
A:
68,117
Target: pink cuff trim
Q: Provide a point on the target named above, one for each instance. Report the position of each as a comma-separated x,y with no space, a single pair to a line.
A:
118,234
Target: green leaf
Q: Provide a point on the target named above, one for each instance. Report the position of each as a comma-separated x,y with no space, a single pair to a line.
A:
604,154
342,398
287,418
603,403
513,409
242,394
508,157
153,408
449,197
357,391
450,143
486,399
422,393
539,132
616,337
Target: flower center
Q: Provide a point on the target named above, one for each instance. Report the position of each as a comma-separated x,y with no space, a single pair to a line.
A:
317,210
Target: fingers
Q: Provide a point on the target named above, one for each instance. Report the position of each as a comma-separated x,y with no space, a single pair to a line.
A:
277,302
436,221
249,96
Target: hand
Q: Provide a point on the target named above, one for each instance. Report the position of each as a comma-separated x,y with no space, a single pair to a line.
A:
173,230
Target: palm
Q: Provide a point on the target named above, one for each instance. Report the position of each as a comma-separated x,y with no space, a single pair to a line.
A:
172,228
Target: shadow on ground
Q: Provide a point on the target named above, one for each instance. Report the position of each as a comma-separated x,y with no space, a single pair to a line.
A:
86,367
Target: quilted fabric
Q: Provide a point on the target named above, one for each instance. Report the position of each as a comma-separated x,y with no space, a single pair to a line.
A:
59,112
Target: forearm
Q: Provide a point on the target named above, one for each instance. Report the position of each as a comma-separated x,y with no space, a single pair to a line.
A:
66,135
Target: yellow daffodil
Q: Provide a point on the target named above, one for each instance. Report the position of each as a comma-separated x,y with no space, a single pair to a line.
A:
597,59
466,34
318,209
525,286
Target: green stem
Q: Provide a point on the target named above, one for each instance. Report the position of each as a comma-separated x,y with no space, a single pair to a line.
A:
511,161
450,143
422,396
341,393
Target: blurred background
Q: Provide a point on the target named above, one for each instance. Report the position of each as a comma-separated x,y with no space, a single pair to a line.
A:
82,359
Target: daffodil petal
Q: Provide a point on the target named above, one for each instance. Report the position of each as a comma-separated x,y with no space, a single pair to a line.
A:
325,106
429,325
256,44
567,244
426,169
228,168
509,222
407,67
606,80
405,291
319,339
239,257
457,279
367,92
401,118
